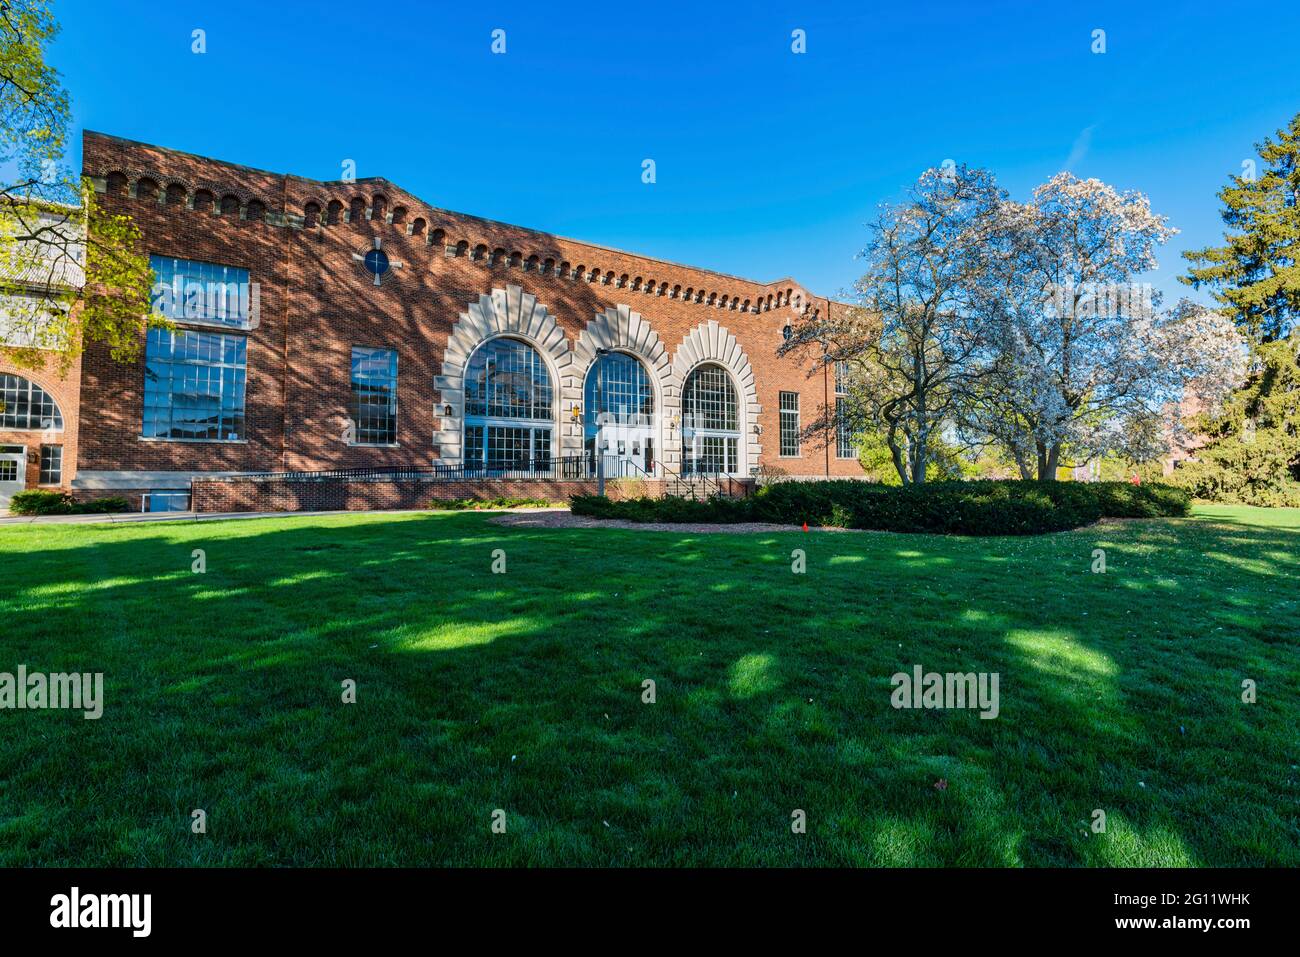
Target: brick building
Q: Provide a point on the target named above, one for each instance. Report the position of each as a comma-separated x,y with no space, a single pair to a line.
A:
38,399
349,325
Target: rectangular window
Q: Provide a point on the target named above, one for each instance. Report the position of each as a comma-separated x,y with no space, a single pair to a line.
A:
711,455
8,470
843,436
194,386
169,500
790,423
191,291
841,377
51,465
504,447
374,395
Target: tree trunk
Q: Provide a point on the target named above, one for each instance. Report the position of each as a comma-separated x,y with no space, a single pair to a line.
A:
896,454
1022,463
1049,458
919,462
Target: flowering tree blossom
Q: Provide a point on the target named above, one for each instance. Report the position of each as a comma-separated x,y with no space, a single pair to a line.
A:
918,326
1084,362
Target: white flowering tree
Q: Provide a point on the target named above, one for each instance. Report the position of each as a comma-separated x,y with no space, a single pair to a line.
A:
918,325
1083,361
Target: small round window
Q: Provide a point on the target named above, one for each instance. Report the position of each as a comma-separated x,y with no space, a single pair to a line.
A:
376,262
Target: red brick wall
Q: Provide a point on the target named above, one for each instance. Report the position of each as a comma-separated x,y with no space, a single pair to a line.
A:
64,385
240,495
316,303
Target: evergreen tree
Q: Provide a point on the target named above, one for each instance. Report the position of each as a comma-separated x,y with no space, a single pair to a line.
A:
1255,275
1253,455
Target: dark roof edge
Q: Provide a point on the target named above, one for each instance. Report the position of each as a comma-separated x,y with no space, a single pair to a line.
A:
481,219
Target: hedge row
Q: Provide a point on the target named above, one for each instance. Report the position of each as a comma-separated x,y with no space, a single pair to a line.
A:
49,502
950,508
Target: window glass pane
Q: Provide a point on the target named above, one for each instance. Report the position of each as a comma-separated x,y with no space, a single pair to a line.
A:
709,400
507,379
789,423
841,377
374,395
508,393
710,422
843,437
169,500
618,390
194,291
193,386
25,405
51,465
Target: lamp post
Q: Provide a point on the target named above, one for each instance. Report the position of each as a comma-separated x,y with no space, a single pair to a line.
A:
600,405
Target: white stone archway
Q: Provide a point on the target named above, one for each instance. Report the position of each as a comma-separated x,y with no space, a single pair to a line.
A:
711,342
506,312
620,329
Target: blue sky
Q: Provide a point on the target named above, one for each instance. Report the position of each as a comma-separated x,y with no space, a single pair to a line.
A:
768,163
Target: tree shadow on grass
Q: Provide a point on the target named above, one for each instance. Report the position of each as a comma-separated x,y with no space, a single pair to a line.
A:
524,692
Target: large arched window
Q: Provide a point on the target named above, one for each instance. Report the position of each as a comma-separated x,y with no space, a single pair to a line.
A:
620,406
25,405
710,422
509,407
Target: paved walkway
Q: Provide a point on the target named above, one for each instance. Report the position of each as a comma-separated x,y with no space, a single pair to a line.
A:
177,516
563,518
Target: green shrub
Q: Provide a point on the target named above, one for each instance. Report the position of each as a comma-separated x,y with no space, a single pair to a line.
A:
469,504
39,501
1004,507
44,501
100,505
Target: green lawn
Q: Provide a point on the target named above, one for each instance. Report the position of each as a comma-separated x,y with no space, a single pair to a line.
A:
523,691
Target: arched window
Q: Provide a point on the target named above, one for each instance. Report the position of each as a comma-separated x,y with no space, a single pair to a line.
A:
203,200
710,422
229,205
333,212
619,404
27,406
175,194
311,215
509,408
116,183
147,188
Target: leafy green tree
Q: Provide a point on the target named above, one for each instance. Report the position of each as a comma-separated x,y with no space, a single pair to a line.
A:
1253,455
1255,274
69,270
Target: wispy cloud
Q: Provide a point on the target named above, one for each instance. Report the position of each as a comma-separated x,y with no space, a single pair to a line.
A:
1079,150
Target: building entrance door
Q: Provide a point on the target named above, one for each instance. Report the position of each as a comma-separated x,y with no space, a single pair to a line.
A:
13,473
